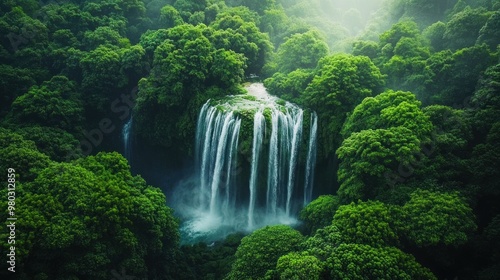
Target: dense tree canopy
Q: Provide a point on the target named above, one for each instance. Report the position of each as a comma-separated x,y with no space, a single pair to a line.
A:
260,251
406,92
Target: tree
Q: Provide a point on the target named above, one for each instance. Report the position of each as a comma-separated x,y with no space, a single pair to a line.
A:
360,261
21,31
371,223
301,51
444,158
233,33
434,34
489,246
486,100
259,6
91,217
289,86
340,83
170,17
56,103
260,251
180,70
54,142
403,55
483,164
433,218
228,68
452,77
102,76
389,39
104,35
275,22
319,212
323,243
15,82
427,12
369,154
20,154
389,109
296,266
490,33
366,48
462,30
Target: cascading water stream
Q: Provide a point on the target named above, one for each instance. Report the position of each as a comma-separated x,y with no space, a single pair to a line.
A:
259,127
260,183
217,139
311,159
296,136
127,141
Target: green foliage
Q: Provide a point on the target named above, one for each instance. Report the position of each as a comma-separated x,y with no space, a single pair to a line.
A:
56,103
301,51
260,250
462,30
170,17
366,48
20,154
453,77
340,83
433,218
389,109
102,76
426,11
234,33
54,142
490,246
490,33
323,242
202,261
15,82
228,68
370,223
443,158
359,261
259,5
366,155
92,216
289,86
434,34
484,162
104,35
389,39
319,212
295,266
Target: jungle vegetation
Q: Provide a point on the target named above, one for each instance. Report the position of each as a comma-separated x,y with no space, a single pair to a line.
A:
407,94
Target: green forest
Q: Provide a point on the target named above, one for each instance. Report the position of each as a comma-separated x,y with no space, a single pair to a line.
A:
407,99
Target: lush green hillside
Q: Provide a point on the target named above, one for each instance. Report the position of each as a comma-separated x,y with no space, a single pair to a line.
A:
407,98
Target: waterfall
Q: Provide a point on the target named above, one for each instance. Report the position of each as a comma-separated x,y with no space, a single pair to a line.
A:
127,141
311,159
273,165
296,134
286,131
217,140
277,173
259,126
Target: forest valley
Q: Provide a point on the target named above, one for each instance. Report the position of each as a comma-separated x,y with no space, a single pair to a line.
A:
379,140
